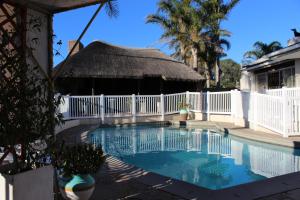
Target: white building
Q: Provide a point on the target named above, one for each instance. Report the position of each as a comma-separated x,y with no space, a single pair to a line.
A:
275,70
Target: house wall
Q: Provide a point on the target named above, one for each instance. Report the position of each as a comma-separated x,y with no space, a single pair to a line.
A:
297,72
33,32
38,38
247,82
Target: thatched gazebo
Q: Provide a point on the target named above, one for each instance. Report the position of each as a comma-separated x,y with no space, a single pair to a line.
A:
101,68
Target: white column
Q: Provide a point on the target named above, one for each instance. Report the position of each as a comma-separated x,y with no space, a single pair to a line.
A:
187,97
255,109
286,120
65,107
102,108
198,108
208,105
233,108
162,107
133,108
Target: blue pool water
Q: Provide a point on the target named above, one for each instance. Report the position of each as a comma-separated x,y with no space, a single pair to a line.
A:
202,157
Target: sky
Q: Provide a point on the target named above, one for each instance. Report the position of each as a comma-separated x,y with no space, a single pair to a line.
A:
249,21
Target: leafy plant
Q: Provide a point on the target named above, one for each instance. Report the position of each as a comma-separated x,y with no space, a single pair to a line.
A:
27,104
78,159
183,105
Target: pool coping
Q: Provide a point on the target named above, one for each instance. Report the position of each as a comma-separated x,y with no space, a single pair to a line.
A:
252,190
185,190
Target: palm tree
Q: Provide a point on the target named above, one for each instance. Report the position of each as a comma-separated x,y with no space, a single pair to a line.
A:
216,11
182,23
171,16
192,28
261,49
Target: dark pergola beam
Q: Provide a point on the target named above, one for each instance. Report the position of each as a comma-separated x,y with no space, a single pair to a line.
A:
52,6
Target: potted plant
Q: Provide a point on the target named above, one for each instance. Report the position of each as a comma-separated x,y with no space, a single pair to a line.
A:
183,110
75,165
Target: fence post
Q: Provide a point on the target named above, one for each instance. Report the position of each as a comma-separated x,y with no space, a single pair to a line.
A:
255,110
64,107
285,113
133,108
199,106
187,97
233,108
208,105
102,108
162,107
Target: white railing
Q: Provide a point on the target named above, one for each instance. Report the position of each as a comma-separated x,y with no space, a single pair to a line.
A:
75,107
117,106
277,110
172,102
290,92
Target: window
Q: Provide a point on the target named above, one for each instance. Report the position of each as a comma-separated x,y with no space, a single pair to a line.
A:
261,82
288,77
281,78
276,79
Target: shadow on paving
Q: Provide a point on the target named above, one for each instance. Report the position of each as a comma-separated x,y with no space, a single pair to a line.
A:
289,195
117,180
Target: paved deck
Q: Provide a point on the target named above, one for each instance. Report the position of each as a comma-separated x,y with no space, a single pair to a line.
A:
118,180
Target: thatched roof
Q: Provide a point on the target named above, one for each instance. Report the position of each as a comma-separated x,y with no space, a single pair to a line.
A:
101,60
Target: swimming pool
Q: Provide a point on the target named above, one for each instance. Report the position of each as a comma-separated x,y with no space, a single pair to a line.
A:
202,157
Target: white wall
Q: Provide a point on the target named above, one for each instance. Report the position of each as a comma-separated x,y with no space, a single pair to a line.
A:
40,44
297,72
245,83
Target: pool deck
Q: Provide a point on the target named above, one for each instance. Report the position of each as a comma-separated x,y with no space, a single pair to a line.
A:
118,180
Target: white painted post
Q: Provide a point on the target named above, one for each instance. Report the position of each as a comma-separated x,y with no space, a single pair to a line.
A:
255,110
102,108
285,113
133,108
64,107
234,96
208,105
162,107
198,108
233,112
187,97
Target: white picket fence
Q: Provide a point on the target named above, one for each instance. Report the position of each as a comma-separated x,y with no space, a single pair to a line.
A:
77,107
277,110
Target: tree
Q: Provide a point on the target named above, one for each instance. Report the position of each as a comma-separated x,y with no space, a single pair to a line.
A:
174,16
216,11
26,110
27,104
192,28
231,73
261,49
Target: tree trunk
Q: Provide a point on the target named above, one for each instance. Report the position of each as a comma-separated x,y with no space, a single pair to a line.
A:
182,53
195,58
217,73
207,75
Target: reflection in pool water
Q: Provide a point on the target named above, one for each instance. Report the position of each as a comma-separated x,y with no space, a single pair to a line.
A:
200,157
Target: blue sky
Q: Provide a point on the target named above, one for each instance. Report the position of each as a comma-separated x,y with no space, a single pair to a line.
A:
249,21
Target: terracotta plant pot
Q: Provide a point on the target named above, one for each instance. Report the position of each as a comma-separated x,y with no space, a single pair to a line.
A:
77,187
183,114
